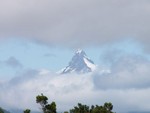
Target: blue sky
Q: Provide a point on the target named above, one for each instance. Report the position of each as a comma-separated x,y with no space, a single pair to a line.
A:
38,38
31,55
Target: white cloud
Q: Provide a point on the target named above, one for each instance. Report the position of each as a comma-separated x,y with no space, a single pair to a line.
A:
127,87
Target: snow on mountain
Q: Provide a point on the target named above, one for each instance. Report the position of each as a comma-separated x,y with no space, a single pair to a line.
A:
79,63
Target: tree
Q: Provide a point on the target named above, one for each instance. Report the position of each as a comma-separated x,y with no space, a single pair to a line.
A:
1,110
80,108
46,108
51,108
42,100
106,108
66,112
27,111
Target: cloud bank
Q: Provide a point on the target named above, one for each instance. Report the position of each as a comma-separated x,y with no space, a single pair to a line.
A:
127,72
75,23
127,86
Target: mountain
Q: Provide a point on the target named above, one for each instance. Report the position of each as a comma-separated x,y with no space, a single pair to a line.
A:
79,63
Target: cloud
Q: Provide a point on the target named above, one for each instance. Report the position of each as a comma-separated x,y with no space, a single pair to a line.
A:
127,87
13,62
127,72
76,23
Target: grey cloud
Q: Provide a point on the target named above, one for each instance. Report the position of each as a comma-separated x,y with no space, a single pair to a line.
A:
76,23
127,72
111,55
13,62
25,77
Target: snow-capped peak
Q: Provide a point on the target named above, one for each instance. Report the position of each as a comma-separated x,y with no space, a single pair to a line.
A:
79,63
80,51
92,66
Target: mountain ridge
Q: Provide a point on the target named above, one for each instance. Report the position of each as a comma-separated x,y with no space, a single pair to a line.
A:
79,63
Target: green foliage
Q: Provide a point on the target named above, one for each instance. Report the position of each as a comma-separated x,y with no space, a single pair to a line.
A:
66,112
27,111
46,108
1,110
51,108
80,109
106,108
41,99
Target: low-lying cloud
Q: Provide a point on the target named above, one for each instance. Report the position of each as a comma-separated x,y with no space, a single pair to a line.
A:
127,86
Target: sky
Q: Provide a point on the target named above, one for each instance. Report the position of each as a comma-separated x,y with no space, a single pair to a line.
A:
39,37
